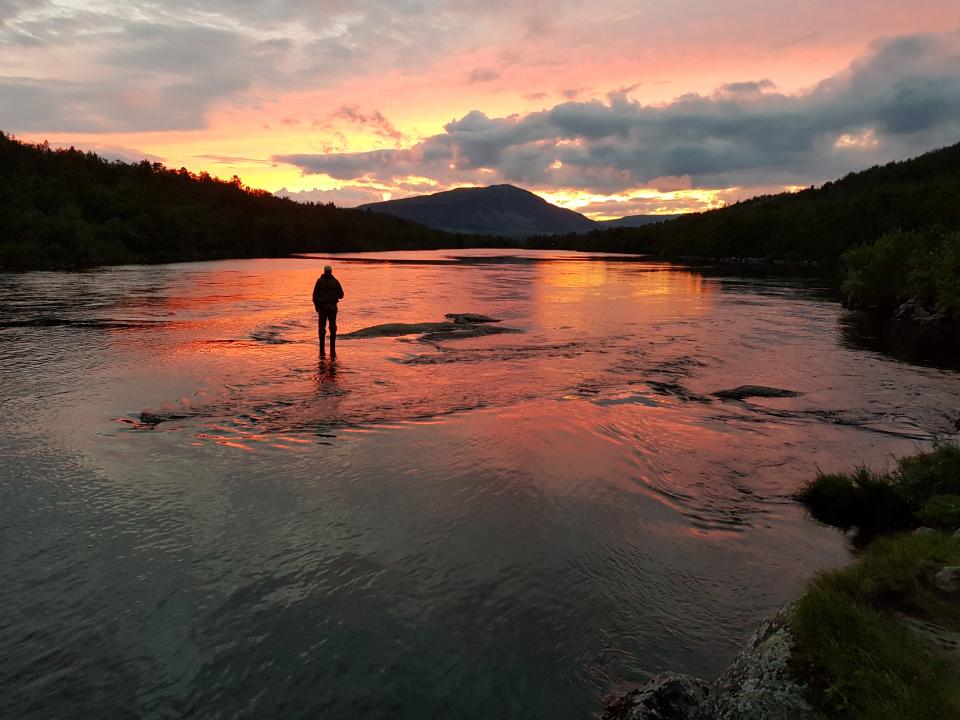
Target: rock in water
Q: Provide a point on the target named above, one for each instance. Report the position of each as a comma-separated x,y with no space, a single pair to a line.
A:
470,318
747,391
464,325
667,697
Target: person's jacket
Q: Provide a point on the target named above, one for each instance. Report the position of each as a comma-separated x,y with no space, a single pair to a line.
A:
327,291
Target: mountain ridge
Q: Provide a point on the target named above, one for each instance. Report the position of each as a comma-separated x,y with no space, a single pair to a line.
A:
504,210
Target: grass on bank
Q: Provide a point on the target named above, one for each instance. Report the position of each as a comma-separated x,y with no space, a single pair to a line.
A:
862,663
854,649
923,489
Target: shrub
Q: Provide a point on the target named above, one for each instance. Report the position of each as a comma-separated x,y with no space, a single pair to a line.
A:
946,276
905,265
869,501
877,503
933,473
941,511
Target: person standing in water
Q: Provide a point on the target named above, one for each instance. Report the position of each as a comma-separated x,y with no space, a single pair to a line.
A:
327,292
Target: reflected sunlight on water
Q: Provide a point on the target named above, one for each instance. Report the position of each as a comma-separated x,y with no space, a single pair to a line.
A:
204,517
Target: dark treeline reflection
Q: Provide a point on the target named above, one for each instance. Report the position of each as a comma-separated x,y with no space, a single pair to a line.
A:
70,209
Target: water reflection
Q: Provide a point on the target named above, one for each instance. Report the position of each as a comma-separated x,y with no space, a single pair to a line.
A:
902,339
500,526
326,373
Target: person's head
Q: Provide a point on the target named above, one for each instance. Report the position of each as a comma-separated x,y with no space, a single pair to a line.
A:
327,270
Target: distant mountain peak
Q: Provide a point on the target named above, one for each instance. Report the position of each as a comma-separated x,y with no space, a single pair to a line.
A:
502,209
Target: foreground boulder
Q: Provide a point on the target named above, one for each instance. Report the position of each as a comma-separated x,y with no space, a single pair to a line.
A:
748,391
756,686
667,697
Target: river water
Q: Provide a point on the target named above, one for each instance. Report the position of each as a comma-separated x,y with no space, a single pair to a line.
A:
201,517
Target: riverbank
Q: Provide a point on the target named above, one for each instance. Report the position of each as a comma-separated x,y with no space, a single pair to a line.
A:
877,640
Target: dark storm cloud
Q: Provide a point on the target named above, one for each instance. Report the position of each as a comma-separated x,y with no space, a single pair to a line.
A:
902,98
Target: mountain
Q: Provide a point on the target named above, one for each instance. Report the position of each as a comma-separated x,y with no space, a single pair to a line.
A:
816,224
633,221
70,209
496,210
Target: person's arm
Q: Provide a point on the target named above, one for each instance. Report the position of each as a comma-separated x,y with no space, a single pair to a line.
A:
316,291
339,290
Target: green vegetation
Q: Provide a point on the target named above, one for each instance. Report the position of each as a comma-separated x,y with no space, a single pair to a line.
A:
940,511
860,661
873,503
855,644
69,209
901,266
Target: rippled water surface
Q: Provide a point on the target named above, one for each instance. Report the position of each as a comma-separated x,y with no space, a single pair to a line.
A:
203,518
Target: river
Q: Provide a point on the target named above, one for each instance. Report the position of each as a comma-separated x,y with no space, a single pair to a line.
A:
201,517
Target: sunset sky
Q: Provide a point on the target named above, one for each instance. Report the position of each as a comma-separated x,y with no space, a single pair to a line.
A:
611,108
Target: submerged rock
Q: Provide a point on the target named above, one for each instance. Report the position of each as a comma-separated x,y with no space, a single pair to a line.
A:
667,697
464,325
756,686
154,419
747,391
676,390
397,329
461,318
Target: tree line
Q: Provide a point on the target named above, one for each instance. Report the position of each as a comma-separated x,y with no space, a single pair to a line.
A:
64,208
889,234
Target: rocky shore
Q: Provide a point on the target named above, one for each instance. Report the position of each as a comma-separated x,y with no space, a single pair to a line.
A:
756,686
912,313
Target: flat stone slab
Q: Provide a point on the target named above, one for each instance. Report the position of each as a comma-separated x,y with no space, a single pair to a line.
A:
748,391
470,318
464,325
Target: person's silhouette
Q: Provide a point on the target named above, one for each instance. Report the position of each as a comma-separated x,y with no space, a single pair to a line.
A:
327,292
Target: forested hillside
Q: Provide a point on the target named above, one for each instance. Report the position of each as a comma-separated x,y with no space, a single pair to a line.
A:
70,209
815,224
